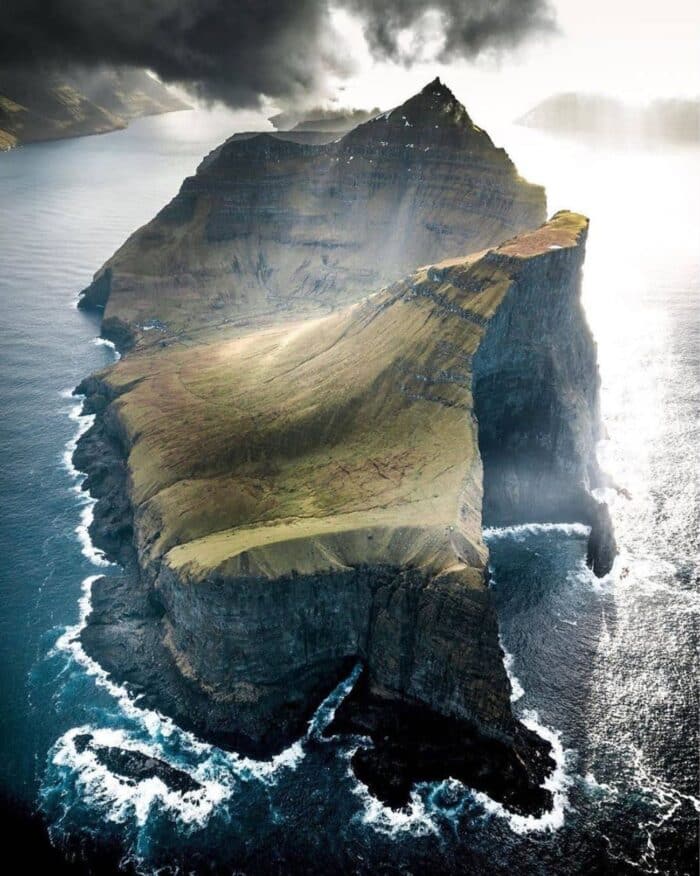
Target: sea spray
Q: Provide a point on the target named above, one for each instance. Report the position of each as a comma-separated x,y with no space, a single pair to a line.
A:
521,531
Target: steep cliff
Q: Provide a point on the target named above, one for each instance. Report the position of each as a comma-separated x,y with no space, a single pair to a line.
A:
269,228
309,495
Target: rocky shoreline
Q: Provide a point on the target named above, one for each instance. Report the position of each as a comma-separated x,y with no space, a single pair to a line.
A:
125,630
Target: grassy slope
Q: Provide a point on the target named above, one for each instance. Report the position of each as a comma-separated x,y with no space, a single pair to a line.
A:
323,444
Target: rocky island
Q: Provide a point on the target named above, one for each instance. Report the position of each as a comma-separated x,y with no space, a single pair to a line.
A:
343,360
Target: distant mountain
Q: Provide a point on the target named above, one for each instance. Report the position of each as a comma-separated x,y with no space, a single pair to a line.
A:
279,221
53,106
598,116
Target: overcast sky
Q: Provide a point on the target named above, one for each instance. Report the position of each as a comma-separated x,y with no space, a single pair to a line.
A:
633,49
499,56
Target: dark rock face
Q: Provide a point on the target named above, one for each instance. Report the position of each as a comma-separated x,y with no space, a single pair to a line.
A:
413,744
300,637
137,766
536,388
100,452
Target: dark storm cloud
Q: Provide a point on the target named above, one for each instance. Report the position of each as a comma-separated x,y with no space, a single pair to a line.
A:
236,50
469,26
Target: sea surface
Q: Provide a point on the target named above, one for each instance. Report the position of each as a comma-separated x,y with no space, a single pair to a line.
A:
606,669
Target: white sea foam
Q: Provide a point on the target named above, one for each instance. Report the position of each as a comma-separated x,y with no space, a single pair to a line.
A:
103,342
516,689
602,787
83,421
82,530
325,713
414,819
122,799
558,783
524,530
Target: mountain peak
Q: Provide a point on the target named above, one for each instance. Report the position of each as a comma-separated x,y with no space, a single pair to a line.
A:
438,87
433,116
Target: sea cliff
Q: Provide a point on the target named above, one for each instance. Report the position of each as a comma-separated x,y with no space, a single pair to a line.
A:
293,532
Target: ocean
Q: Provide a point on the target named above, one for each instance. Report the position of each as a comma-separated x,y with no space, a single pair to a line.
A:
605,669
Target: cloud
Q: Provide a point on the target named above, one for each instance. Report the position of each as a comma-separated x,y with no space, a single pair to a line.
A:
237,50
468,27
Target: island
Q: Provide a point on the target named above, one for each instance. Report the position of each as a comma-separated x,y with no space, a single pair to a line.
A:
37,107
342,360
599,117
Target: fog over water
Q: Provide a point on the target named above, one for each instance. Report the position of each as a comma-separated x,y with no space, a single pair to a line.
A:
604,668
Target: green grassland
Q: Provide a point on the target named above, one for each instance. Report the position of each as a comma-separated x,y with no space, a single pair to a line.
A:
328,443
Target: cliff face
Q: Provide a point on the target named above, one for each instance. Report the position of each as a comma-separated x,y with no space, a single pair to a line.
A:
51,106
270,228
536,395
310,495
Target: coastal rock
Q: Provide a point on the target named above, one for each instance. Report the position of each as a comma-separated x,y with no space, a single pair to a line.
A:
136,766
602,546
536,398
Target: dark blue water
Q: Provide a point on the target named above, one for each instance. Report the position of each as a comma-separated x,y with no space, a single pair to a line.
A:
605,669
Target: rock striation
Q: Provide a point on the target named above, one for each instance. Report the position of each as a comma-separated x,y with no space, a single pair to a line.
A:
270,226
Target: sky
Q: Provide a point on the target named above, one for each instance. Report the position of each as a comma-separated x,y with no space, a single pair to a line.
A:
499,56
632,49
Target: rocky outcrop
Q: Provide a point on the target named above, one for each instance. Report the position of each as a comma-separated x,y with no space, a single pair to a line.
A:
135,766
310,495
271,227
